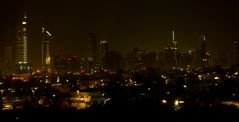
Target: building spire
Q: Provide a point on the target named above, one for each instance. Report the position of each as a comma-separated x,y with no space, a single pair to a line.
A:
25,14
173,34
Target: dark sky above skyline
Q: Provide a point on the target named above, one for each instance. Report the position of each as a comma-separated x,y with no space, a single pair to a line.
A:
124,23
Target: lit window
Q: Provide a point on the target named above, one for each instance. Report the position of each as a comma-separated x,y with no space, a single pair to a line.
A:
24,29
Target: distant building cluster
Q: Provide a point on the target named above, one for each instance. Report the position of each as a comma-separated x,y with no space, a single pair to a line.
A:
101,58
167,81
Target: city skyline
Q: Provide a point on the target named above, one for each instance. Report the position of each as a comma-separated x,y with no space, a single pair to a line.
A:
103,56
124,25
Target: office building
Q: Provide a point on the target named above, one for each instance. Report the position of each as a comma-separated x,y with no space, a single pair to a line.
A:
171,60
103,50
46,38
22,62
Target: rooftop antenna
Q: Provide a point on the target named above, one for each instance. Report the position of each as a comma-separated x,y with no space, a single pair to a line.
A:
25,14
173,35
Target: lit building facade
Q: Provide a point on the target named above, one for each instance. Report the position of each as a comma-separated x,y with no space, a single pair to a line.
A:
22,62
45,49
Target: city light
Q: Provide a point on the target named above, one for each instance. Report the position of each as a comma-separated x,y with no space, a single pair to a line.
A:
176,102
200,77
236,73
48,33
216,78
164,101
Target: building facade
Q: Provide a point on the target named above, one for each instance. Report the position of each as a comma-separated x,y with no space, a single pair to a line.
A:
46,38
22,62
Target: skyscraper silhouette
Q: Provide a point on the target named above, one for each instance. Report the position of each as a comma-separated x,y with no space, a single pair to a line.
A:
104,48
22,63
46,38
235,52
171,53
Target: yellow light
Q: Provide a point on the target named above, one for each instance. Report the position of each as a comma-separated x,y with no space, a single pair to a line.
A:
7,107
164,101
2,91
24,23
236,73
48,60
216,78
78,92
176,102
200,77
40,102
181,101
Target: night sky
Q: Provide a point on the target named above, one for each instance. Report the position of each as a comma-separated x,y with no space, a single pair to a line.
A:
124,23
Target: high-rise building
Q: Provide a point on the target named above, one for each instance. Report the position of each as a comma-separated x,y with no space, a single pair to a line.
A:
103,50
161,61
171,53
93,46
93,54
203,54
134,59
149,60
114,61
235,52
189,59
22,62
46,38
56,63
8,64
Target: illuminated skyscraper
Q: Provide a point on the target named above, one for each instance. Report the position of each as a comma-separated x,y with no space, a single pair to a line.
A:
22,63
235,52
203,60
171,53
103,50
45,49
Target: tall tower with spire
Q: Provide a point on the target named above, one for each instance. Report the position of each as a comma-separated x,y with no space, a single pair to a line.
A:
171,53
22,62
